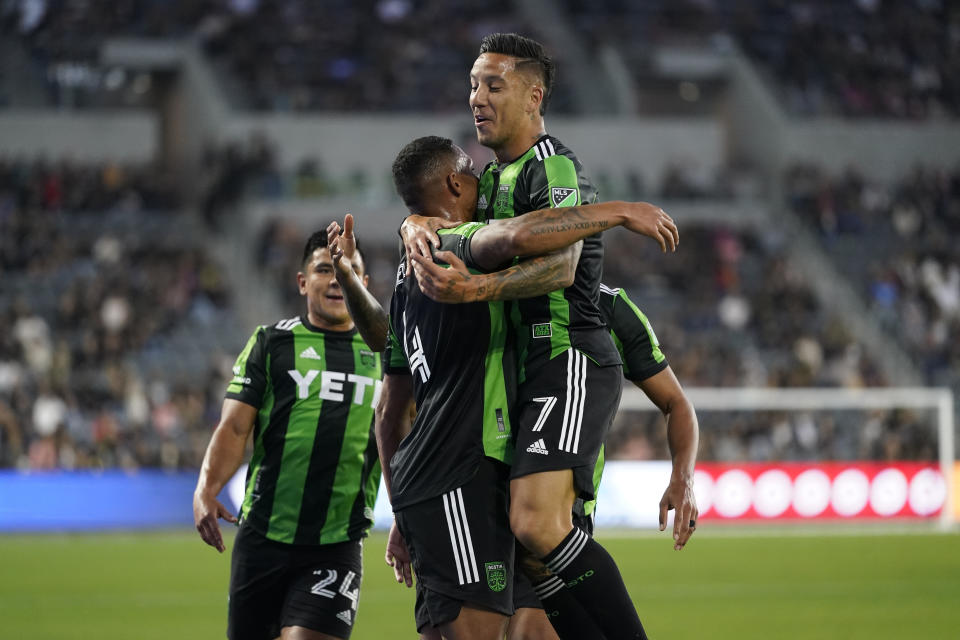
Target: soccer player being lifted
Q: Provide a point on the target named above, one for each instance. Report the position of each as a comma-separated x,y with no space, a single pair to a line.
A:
458,360
570,369
306,388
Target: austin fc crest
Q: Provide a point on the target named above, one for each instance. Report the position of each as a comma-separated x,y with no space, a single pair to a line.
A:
496,576
502,203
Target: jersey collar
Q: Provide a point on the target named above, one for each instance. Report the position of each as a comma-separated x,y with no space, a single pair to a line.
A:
315,329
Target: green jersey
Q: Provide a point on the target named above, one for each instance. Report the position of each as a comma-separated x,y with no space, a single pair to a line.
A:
549,175
314,474
638,346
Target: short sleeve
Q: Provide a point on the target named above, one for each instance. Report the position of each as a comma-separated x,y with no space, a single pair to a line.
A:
249,382
458,241
394,358
634,337
554,183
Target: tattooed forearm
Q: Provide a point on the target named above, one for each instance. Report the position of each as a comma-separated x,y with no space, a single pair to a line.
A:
544,228
371,321
526,279
367,314
561,220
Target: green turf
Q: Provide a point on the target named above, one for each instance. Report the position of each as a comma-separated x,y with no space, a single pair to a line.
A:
171,586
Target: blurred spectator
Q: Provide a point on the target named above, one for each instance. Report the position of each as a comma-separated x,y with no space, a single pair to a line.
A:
894,241
97,274
279,55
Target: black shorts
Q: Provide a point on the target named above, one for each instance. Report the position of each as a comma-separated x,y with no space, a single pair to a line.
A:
275,585
565,409
461,547
524,596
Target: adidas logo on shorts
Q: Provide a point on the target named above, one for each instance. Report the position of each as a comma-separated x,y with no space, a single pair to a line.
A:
346,616
538,447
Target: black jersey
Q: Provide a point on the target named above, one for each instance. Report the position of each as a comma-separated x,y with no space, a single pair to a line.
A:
314,474
549,175
463,365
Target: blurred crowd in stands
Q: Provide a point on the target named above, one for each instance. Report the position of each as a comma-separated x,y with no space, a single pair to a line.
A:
898,244
867,58
114,350
731,311
864,58
112,300
282,55
103,285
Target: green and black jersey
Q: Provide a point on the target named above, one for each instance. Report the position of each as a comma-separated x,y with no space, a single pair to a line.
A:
315,471
638,347
463,364
549,175
632,335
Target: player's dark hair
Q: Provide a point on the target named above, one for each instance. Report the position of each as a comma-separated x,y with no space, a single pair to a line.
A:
416,163
318,240
531,57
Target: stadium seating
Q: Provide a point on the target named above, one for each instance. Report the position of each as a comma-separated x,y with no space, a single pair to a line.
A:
897,242
114,317
280,55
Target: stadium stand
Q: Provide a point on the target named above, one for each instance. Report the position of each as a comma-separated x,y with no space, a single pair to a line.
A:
113,360
897,243
276,55
856,59
115,311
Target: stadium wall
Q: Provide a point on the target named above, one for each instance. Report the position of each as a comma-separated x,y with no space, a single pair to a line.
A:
346,143
881,149
83,136
761,131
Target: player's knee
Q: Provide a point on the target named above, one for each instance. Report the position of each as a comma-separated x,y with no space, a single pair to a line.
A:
535,529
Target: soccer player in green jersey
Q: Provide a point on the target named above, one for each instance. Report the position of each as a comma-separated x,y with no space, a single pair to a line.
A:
306,388
570,371
646,366
440,353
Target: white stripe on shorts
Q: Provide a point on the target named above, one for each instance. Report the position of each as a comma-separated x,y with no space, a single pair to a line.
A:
576,398
461,542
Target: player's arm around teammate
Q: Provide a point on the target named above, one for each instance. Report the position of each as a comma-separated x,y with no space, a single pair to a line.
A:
535,233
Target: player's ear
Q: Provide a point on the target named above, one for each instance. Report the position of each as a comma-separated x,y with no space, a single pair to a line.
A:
366,281
536,98
302,283
453,183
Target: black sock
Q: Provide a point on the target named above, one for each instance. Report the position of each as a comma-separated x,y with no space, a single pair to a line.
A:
592,578
565,614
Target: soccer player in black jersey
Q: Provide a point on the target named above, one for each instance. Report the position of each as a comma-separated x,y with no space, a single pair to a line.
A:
570,369
459,359
306,388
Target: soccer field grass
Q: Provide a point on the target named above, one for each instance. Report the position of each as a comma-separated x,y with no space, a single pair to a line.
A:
724,585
